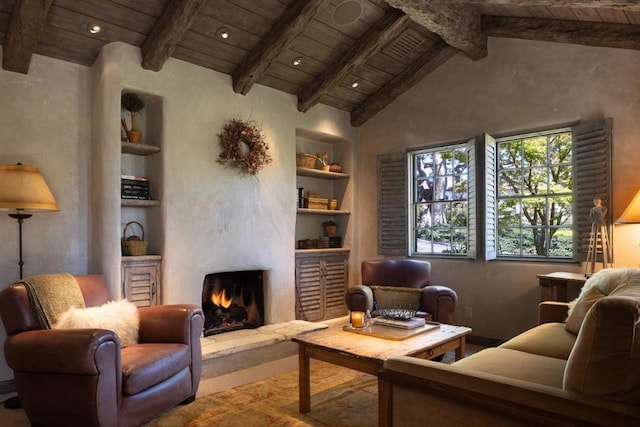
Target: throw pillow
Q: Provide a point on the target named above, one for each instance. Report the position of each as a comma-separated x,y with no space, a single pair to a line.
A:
396,297
605,282
581,308
120,317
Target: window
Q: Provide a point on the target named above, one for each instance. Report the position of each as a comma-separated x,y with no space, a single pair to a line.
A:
534,195
440,201
533,200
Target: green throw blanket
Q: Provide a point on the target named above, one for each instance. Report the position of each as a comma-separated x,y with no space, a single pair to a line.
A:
50,295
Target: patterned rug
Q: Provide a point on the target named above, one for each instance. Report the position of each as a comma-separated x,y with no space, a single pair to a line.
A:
339,397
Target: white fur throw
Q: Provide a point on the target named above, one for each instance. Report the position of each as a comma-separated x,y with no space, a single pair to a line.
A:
120,317
606,281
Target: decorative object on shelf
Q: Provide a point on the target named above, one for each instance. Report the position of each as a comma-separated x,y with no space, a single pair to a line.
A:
335,167
133,104
133,245
333,204
300,197
323,160
330,228
305,160
315,202
22,188
244,147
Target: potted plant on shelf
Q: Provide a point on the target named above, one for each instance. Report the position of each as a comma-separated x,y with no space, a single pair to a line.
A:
133,104
330,228
324,161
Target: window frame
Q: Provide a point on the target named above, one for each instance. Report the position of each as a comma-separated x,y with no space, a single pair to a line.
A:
411,220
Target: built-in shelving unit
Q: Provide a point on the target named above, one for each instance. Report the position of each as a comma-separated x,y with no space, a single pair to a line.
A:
141,275
322,273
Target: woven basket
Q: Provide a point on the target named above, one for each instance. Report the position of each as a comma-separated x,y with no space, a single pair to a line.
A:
133,245
305,160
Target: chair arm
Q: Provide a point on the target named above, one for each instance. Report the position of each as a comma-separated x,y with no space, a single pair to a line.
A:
176,323
440,302
552,311
410,388
63,351
359,298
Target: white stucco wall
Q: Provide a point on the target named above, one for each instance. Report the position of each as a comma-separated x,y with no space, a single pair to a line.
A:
521,85
46,123
65,119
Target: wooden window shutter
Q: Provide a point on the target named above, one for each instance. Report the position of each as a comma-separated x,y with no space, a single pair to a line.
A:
591,178
490,197
472,199
392,204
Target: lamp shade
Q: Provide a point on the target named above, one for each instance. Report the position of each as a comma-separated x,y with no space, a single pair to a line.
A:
23,188
631,215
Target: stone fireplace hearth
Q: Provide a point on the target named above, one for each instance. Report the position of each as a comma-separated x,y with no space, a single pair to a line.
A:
232,300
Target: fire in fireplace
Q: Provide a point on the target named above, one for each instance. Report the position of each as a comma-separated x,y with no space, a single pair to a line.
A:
232,300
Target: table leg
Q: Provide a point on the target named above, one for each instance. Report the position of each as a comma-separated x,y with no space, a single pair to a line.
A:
304,380
461,349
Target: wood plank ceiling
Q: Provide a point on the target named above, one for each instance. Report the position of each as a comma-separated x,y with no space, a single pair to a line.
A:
355,55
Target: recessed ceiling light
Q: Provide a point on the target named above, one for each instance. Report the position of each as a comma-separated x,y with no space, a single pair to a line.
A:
223,33
94,28
355,84
297,61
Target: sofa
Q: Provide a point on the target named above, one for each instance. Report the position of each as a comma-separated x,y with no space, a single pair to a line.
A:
87,376
579,366
435,302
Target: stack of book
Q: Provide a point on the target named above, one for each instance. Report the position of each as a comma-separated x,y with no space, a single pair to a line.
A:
134,187
414,322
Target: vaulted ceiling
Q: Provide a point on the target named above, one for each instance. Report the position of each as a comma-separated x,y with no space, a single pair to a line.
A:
355,55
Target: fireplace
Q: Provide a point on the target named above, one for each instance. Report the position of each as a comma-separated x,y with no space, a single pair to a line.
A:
232,300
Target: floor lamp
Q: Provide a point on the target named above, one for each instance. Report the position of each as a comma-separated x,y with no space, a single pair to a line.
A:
23,189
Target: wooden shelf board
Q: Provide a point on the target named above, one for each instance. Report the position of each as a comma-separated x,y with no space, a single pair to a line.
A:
317,173
322,251
322,212
139,149
133,203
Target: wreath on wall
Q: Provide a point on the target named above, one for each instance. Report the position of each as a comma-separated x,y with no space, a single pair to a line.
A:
244,147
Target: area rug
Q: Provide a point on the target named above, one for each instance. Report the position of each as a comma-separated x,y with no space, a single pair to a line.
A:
339,397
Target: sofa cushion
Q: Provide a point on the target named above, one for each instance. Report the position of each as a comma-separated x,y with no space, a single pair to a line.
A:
581,308
516,364
145,365
548,339
606,357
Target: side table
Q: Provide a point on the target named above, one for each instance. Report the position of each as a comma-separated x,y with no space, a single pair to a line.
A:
557,283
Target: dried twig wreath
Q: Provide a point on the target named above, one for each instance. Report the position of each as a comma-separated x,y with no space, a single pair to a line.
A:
244,147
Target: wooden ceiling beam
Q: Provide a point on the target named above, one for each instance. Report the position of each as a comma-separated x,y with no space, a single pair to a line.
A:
285,30
591,4
409,77
384,31
598,34
25,29
169,30
456,24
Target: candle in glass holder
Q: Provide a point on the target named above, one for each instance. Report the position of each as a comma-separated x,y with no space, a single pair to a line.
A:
357,319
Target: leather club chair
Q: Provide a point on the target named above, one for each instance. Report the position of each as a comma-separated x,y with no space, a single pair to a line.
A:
81,377
438,301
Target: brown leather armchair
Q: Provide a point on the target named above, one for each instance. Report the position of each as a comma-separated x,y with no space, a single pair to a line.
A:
81,377
438,301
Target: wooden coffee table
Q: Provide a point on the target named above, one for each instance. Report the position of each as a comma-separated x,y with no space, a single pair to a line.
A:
367,353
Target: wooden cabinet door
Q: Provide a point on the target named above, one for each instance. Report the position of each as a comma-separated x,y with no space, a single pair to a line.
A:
308,289
335,286
141,282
